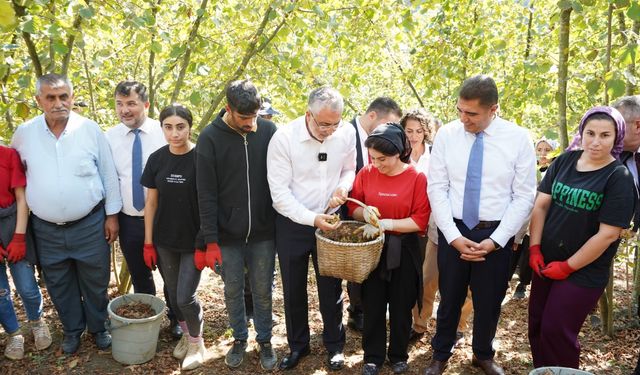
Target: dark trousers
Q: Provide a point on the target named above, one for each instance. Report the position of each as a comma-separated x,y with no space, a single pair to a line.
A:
488,280
76,265
557,310
355,298
400,294
294,244
131,238
520,258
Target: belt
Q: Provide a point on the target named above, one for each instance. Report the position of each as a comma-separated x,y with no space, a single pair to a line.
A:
481,224
67,224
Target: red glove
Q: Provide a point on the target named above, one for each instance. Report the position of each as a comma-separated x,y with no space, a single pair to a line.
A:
150,256
17,248
557,270
213,255
199,259
536,260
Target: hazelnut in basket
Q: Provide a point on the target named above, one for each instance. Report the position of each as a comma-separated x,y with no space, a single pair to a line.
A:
350,232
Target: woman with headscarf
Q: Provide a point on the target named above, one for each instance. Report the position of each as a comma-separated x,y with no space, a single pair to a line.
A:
583,203
398,191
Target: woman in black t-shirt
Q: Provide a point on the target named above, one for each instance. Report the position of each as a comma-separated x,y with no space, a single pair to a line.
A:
171,222
585,199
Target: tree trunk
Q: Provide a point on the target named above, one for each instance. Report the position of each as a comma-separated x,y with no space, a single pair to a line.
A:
152,58
631,87
31,47
565,23
606,306
71,38
607,57
89,84
3,89
187,54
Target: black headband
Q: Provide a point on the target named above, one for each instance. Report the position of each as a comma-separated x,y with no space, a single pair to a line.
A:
393,133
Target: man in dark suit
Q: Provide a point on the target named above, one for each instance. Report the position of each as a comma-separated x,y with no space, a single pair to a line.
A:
380,111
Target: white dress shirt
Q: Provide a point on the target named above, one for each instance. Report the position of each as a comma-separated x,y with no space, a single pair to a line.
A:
508,177
67,176
300,184
121,139
362,134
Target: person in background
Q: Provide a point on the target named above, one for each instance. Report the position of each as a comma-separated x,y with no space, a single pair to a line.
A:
396,192
14,215
584,201
72,191
420,128
132,141
311,166
171,222
380,111
266,110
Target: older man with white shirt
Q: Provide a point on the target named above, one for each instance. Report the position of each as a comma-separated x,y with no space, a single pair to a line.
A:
481,187
310,166
71,184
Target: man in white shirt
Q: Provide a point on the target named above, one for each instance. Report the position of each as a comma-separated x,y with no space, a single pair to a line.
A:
381,111
481,188
310,166
72,191
135,130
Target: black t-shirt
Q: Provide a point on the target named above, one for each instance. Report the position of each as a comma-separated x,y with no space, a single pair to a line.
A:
580,202
177,220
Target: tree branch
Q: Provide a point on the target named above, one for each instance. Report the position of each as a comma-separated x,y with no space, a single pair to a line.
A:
31,48
77,22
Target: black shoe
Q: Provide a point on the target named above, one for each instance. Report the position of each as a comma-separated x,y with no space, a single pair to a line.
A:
356,321
70,344
103,340
520,291
175,330
415,335
459,339
335,361
399,367
291,360
370,369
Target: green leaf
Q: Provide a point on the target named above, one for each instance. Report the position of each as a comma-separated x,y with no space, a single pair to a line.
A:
592,55
615,87
156,47
28,26
60,47
177,50
593,86
500,45
22,110
576,6
87,12
588,2
200,12
634,11
564,4
195,98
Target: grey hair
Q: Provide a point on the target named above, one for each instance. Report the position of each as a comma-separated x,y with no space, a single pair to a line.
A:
325,97
629,107
53,80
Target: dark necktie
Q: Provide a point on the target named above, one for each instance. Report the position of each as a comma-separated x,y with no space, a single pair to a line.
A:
136,172
471,199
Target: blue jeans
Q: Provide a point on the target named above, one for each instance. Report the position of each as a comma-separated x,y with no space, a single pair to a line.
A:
8,317
23,277
259,258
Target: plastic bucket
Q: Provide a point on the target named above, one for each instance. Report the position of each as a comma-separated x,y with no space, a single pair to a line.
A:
558,371
134,341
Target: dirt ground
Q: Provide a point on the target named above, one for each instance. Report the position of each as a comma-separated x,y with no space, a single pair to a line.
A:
600,354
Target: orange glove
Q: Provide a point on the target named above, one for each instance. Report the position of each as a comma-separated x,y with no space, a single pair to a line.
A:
199,259
17,248
150,256
213,255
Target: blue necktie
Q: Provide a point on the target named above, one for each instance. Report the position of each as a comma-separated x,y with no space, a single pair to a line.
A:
471,201
136,172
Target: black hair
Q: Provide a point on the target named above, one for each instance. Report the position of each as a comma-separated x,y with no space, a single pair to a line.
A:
176,109
602,116
124,88
387,148
480,87
383,106
243,97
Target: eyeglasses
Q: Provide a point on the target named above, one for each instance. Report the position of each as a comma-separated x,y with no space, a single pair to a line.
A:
324,126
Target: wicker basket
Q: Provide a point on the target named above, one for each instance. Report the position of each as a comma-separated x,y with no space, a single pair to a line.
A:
348,261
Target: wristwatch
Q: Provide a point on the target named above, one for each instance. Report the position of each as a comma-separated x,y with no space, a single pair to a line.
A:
497,245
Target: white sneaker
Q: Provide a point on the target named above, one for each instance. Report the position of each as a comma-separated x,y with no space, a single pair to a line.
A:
195,355
181,348
15,347
41,334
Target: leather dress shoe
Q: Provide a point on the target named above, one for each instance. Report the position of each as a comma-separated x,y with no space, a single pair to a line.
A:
335,361
175,330
291,360
488,366
399,367
436,367
103,340
70,344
